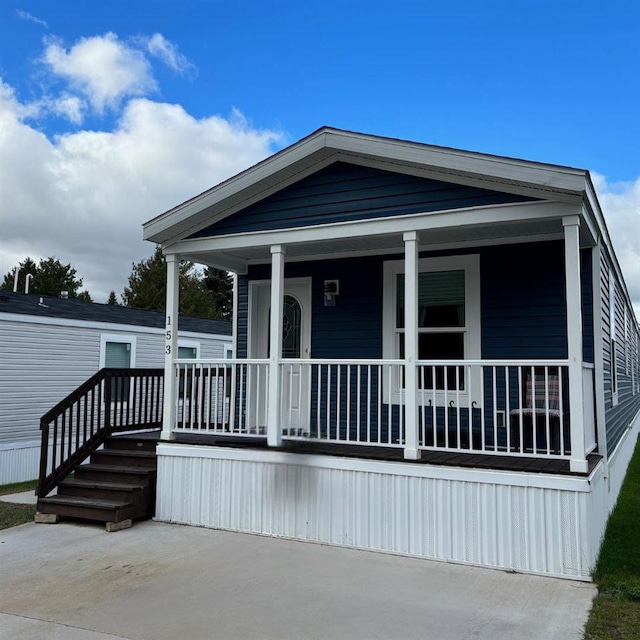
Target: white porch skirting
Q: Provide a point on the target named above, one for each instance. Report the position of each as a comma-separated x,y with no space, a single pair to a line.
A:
532,523
19,461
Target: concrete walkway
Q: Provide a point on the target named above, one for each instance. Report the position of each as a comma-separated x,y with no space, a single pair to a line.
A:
158,581
24,497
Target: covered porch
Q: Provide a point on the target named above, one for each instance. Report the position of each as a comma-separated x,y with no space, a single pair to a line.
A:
390,398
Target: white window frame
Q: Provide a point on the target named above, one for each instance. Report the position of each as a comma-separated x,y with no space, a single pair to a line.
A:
189,344
470,264
121,338
228,351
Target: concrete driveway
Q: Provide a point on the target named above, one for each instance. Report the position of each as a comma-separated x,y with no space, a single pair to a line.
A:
157,581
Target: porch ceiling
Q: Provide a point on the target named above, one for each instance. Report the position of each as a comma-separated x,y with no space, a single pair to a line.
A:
237,258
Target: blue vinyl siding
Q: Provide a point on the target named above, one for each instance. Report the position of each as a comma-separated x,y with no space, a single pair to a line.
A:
587,304
523,309
522,303
343,192
619,416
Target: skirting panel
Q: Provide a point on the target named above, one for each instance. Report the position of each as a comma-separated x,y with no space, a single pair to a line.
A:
526,523
19,462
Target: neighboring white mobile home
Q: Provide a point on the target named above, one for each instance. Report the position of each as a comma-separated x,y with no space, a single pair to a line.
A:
49,346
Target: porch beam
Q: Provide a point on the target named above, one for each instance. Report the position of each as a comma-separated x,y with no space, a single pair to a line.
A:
571,224
411,450
469,217
170,346
274,430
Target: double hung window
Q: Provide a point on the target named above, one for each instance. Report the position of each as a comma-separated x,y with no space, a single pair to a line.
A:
448,318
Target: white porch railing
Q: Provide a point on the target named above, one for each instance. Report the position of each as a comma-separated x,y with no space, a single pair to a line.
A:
343,401
224,396
516,408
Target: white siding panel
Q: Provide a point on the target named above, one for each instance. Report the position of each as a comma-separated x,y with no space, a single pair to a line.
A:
487,522
40,364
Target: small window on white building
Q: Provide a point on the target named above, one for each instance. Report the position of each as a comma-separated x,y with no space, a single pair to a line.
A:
118,352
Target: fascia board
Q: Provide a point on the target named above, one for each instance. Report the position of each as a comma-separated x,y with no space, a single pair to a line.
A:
362,228
284,161
564,178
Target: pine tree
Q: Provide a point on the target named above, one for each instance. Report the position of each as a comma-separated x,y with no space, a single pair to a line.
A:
147,288
50,278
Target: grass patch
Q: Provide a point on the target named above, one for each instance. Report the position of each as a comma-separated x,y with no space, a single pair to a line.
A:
11,515
616,609
18,487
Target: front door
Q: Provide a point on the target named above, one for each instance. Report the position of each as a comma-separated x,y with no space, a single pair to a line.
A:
296,344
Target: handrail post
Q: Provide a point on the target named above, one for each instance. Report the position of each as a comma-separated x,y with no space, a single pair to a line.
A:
44,458
107,404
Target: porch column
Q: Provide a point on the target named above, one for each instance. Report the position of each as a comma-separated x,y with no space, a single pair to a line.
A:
274,428
571,226
170,346
411,450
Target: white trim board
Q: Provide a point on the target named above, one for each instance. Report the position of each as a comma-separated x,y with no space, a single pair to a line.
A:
519,479
396,225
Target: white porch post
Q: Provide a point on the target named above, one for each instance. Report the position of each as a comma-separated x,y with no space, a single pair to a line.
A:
571,226
411,450
274,430
170,346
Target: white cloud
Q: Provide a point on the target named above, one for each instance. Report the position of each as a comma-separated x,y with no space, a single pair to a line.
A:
83,196
27,16
70,107
102,68
620,203
161,48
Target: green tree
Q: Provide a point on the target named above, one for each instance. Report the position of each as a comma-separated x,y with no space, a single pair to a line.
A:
112,298
147,288
220,286
50,278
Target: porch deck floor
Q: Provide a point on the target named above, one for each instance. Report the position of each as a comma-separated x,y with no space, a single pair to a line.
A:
392,454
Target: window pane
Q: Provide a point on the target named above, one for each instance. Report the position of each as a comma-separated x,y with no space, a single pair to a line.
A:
291,328
187,352
441,346
438,346
117,355
440,299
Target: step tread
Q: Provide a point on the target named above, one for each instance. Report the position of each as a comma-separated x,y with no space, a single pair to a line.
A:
126,453
98,484
78,501
115,468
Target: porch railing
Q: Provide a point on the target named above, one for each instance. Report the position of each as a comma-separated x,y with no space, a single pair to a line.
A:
225,396
517,407
112,400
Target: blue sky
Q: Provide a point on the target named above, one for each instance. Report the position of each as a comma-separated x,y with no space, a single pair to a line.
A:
551,81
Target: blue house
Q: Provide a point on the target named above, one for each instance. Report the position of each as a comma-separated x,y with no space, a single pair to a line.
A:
436,355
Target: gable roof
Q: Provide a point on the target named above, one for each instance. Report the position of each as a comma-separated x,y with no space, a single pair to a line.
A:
70,309
327,145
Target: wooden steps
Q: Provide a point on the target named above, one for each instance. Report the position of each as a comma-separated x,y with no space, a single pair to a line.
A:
117,485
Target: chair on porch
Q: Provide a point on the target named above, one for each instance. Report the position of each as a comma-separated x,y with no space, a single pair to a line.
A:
538,420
